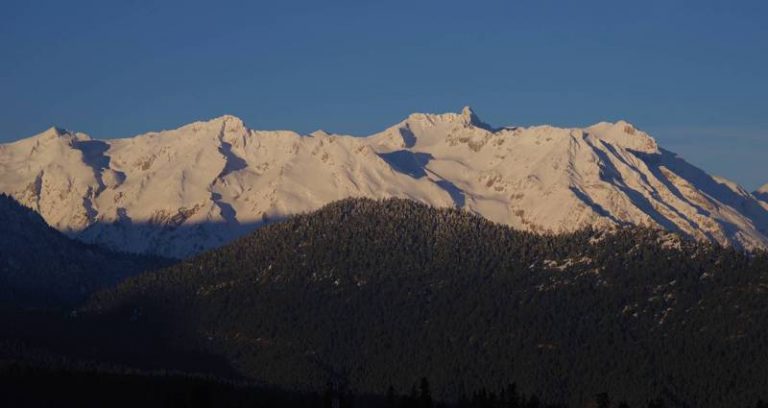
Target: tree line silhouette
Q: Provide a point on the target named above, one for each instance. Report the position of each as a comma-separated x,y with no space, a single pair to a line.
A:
28,386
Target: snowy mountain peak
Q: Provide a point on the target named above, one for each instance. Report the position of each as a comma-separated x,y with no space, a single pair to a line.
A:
56,134
624,134
54,131
470,117
229,119
181,191
228,123
762,193
320,133
467,117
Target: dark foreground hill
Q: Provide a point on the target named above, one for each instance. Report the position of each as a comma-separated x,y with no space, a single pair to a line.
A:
40,266
373,294
32,387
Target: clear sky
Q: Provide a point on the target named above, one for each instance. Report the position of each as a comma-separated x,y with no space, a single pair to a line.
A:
694,74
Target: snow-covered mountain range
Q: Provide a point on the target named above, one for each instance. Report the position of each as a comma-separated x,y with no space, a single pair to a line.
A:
181,191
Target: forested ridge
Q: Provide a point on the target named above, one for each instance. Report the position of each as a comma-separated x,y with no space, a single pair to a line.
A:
41,267
376,294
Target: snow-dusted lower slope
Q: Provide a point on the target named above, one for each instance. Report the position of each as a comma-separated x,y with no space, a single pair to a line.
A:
181,191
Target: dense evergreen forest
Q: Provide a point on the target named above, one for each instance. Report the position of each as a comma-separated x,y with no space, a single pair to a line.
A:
375,295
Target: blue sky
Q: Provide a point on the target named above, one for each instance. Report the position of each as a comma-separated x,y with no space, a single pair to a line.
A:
693,74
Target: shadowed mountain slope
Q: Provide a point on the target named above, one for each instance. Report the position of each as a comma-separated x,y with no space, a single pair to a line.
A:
41,266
